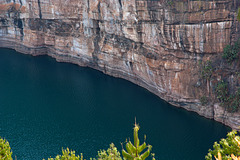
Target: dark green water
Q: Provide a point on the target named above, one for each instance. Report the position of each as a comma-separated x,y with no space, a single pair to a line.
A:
46,105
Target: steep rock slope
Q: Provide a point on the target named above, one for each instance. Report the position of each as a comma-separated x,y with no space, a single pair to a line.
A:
156,44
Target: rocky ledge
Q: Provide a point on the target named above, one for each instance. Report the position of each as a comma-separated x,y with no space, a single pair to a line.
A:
156,44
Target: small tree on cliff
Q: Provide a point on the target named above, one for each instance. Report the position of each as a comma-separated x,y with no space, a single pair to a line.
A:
206,73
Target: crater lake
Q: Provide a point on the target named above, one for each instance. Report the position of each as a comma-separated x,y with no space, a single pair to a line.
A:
46,106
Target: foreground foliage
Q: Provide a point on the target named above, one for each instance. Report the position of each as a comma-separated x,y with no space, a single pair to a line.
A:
226,149
67,155
111,153
133,151
5,150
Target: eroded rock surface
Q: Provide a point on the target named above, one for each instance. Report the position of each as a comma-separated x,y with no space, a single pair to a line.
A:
156,44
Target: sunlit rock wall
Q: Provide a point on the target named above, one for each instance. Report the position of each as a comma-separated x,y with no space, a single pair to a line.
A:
155,44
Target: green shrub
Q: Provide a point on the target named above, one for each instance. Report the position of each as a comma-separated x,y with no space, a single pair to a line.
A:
234,101
226,147
111,153
204,100
230,53
67,155
222,92
5,150
230,101
207,70
237,45
170,2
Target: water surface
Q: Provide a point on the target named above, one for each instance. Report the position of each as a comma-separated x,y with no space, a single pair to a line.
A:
46,105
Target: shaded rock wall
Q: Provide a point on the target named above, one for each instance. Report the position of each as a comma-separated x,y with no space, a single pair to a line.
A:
156,44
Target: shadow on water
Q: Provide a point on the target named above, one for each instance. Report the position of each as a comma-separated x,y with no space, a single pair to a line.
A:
46,105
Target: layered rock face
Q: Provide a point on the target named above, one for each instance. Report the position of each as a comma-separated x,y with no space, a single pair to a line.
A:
156,44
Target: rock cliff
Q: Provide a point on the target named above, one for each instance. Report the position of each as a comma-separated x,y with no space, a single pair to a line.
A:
156,44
